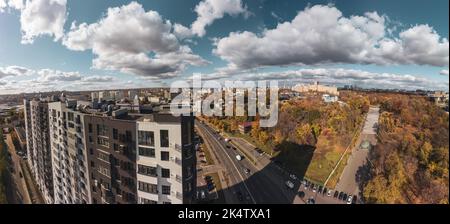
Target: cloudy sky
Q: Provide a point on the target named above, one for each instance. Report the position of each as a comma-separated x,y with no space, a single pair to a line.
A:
50,45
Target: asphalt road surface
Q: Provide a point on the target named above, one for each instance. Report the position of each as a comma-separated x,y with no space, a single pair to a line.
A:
259,186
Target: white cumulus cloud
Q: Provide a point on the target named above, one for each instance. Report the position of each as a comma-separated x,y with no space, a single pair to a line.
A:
131,40
322,35
210,10
42,17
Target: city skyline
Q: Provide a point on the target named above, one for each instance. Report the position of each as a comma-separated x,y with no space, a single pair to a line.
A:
68,45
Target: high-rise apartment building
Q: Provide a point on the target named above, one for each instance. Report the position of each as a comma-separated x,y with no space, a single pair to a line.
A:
70,171
108,155
111,146
166,159
38,145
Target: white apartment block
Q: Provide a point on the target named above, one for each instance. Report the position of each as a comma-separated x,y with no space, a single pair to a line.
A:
38,147
166,160
70,171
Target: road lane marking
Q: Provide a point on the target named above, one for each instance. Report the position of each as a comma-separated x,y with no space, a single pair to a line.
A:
232,162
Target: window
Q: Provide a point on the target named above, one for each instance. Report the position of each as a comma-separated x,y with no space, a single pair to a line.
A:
147,170
103,156
128,136
115,134
102,130
116,147
149,188
165,173
166,190
164,137
103,141
91,151
146,138
90,139
186,136
147,152
104,170
90,128
164,156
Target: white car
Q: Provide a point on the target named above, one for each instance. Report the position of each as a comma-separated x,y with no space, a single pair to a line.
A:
239,157
203,195
349,199
329,193
289,184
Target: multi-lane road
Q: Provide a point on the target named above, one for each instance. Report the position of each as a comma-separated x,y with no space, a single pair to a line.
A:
259,186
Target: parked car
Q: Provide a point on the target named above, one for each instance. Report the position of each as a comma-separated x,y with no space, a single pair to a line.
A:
247,171
344,198
311,201
259,151
315,188
336,194
203,195
289,184
329,193
341,195
355,200
320,190
306,185
311,186
349,199
325,190
239,157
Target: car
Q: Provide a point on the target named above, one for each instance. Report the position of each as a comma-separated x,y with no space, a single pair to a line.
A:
355,200
315,188
344,198
247,171
329,193
211,186
239,157
341,195
234,148
289,184
306,185
259,151
320,190
336,193
311,201
292,176
227,140
301,194
203,195
311,186
349,199
325,190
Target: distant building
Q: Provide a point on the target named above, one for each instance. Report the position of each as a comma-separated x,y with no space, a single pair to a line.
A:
245,127
329,99
439,97
316,87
